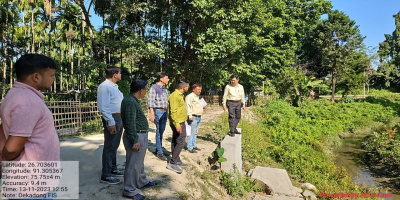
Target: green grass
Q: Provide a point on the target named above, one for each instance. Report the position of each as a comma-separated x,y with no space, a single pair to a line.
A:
300,139
182,195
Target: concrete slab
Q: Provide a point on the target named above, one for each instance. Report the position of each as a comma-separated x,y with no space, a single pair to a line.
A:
232,152
276,180
297,190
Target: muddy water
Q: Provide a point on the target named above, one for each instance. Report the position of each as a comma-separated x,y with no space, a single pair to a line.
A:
349,155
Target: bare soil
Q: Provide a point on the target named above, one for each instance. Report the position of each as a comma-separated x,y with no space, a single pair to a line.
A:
198,181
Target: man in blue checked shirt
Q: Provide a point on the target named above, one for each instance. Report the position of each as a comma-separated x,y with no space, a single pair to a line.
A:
158,104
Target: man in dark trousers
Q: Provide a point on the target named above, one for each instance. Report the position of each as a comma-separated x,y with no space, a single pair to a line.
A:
177,116
233,100
109,99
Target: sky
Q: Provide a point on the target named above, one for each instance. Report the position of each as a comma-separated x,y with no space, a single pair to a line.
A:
374,17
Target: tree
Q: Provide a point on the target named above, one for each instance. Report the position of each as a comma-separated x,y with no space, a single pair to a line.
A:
389,54
333,47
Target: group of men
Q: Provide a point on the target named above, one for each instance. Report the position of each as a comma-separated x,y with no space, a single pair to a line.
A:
28,132
120,114
162,106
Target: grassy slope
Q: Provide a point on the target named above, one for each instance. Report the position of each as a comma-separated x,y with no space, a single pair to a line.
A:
300,139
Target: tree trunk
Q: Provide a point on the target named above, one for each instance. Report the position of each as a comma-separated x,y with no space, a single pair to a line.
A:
71,60
61,70
5,46
11,75
24,29
121,57
33,32
84,83
333,85
95,47
83,40
79,74
104,47
11,60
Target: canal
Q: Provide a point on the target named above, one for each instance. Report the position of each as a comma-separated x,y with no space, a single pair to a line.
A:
350,156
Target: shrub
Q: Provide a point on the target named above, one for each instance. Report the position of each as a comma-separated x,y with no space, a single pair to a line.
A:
347,100
237,185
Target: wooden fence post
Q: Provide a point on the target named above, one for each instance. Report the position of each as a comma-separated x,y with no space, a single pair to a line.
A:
80,116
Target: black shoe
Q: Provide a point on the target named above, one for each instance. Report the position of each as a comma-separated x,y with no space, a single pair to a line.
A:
238,132
197,149
231,134
192,151
162,157
117,173
110,180
136,197
150,184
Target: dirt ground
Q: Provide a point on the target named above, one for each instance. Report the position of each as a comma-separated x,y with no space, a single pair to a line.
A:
194,183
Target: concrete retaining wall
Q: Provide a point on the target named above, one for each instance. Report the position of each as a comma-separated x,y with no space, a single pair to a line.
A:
232,152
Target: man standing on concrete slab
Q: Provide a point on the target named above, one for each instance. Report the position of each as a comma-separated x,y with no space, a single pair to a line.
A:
194,109
109,103
177,116
135,141
233,99
158,104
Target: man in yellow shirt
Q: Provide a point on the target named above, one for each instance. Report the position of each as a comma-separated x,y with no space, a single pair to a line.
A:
177,116
233,100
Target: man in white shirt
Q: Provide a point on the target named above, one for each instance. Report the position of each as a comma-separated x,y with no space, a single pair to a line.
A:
233,100
194,109
109,99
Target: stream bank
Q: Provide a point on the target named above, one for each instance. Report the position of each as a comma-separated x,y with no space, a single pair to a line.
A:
351,156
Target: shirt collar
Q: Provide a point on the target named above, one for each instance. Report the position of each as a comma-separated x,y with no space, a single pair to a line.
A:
195,94
158,85
110,82
179,92
135,98
26,86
